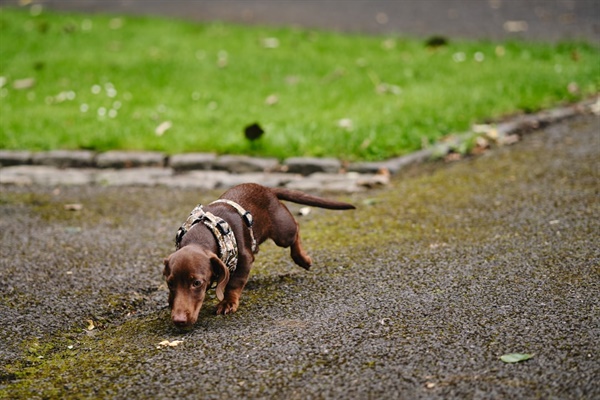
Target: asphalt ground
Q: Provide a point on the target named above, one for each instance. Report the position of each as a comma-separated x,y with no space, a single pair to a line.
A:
545,20
416,294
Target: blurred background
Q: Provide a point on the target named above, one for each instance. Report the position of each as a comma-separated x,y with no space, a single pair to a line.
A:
547,20
357,80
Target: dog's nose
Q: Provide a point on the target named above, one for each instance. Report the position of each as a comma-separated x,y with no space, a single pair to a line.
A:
180,320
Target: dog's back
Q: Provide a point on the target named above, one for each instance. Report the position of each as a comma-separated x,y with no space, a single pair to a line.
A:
258,192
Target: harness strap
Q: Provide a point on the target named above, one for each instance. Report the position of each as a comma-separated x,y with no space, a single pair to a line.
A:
228,249
246,217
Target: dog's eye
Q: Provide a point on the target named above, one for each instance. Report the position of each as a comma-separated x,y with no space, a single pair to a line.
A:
170,284
197,283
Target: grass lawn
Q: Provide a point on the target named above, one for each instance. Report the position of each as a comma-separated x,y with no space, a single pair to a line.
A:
74,81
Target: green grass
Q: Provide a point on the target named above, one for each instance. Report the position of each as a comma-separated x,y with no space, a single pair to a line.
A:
106,82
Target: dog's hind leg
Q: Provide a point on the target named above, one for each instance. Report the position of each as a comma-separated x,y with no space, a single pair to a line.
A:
285,234
299,255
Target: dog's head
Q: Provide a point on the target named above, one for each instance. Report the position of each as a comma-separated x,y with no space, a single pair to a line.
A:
189,273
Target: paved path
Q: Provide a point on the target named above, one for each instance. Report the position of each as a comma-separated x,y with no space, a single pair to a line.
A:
530,19
416,294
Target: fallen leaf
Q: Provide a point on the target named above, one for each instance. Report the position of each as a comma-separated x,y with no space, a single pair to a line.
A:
74,207
436,41
64,96
271,100
90,326
72,229
115,23
509,139
346,123
516,26
575,55
481,144
304,211
374,181
166,343
23,83
387,88
270,43
253,131
163,127
388,44
223,58
292,80
451,157
595,108
381,18
573,88
482,128
438,245
515,357
459,57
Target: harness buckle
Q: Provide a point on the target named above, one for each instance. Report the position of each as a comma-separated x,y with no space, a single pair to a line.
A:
223,227
248,219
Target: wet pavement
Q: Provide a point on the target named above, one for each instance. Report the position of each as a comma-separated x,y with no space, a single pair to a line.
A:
416,294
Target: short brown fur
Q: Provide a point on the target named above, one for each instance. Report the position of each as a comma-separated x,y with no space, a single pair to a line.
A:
191,270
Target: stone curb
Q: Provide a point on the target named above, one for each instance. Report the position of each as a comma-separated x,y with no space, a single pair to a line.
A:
209,171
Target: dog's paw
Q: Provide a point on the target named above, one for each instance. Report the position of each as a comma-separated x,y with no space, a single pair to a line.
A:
303,261
227,307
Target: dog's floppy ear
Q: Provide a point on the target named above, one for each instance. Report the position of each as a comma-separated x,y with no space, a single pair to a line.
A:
221,271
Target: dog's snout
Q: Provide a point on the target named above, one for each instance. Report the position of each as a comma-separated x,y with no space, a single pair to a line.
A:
180,319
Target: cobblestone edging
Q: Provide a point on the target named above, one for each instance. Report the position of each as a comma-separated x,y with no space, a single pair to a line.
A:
209,171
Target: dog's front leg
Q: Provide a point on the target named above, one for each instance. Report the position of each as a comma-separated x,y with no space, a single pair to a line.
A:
233,291
231,302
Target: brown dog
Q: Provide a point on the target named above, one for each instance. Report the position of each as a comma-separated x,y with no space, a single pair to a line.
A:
217,244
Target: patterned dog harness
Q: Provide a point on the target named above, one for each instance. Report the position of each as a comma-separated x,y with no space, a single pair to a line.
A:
228,248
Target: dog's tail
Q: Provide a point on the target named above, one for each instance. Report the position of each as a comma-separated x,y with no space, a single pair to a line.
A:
306,199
